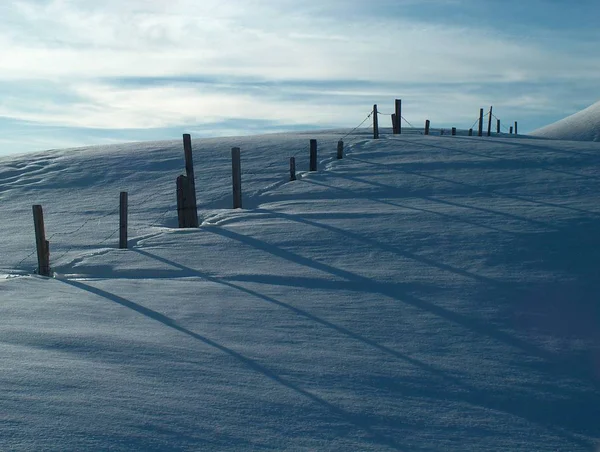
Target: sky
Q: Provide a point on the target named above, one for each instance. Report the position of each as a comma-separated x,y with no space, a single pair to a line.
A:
84,72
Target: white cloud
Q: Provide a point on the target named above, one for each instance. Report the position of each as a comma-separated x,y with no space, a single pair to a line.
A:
79,39
80,45
105,106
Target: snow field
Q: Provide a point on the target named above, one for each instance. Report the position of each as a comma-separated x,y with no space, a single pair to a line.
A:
424,293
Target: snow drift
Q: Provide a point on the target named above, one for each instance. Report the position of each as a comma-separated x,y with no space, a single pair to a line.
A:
581,126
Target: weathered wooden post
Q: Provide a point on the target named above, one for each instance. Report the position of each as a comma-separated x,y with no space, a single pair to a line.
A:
42,245
480,132
123,221
427,124
375,123
511,130
183,202
189,171
470,132
340,150
516,128
489,131
498,126
398,108
236,171
313,155
292,168
394,123
453,131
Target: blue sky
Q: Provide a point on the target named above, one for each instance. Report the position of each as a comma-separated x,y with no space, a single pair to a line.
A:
78,72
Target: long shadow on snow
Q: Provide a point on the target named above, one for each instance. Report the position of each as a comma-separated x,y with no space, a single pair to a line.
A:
387,289
358,285
390,191
475,396
361,422
497,141
568,306
585,237
531,409
478,188
543,148
521,164
501,163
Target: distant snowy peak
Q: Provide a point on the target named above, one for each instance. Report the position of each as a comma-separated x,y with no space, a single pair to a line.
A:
582,126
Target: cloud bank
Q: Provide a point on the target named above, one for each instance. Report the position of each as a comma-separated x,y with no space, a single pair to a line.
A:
157,64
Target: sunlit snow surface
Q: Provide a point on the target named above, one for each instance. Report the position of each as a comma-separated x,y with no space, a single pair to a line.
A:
422,294
581,126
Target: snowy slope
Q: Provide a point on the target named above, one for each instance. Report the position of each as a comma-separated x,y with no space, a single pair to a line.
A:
581,126
424,293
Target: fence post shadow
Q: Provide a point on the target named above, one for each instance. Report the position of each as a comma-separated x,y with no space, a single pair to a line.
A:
359,421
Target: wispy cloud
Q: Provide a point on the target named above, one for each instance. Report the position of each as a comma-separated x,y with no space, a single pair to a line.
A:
153,64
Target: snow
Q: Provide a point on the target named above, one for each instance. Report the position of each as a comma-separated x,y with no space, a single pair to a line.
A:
424,293
581,126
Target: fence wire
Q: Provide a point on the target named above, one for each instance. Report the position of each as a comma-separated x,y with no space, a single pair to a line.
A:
348,138
358,126
502,126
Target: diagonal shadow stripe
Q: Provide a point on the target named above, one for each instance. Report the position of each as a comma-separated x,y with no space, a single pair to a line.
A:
475,396
424,366
358,421
472,324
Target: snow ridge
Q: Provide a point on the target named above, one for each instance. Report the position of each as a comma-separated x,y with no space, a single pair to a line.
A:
581,126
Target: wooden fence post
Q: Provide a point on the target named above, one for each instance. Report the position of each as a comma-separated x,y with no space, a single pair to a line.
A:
340,150
375,123
189,171
489,131
453,131
498,126
292,168
480,131
394,123
313,155
398,109
511,130
427,125
123,221
470,132
182,201
236,168
42,245
516,129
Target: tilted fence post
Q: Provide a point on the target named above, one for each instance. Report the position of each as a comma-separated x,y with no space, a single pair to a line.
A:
313,155
42,245
489,131
340,150
123,221
236,169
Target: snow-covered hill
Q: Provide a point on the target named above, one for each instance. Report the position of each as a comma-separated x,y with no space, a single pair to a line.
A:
581,126
422,294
